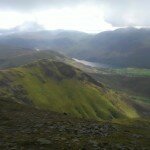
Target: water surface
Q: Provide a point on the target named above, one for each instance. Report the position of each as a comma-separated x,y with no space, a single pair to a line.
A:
92,64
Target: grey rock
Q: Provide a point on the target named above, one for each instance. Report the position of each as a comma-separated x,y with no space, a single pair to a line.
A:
136,136
43,141
75,140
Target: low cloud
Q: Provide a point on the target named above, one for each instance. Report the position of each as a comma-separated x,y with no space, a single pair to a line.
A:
34,5
118,13
128,13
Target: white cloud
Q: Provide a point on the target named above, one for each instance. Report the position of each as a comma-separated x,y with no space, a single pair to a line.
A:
128,12
82,18
12,19
33,5
85,15
88,19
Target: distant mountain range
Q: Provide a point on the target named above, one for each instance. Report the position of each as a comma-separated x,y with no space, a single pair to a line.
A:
128,47
21,57
125,47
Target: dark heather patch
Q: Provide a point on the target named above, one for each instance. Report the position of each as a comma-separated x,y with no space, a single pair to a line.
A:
66,70
84,76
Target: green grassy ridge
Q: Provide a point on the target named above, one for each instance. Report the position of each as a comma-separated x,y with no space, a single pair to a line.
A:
62,88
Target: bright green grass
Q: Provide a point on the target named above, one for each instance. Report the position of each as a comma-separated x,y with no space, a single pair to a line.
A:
74,97
66,96
70,95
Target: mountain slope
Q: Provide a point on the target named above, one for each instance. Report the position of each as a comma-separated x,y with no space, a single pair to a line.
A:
127,47
62,88
16,57
58,40
24,127
7,51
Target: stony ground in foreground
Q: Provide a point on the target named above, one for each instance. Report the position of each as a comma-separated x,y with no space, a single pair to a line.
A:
27,128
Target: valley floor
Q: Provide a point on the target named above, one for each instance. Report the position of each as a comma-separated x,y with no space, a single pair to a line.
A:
23,127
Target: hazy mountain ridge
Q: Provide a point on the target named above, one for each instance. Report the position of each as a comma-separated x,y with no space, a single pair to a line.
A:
58,40
127,47
14,57
123,47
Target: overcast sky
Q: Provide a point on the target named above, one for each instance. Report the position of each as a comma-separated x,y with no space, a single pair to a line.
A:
82,15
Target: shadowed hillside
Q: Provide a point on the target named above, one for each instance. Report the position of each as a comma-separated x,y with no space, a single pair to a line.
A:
24,127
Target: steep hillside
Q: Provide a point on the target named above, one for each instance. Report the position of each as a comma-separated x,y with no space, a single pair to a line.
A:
62,88
136,87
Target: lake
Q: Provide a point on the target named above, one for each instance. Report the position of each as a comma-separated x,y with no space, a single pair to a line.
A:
92,64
